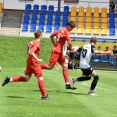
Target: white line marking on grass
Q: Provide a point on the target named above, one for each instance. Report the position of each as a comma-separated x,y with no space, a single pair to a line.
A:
105,89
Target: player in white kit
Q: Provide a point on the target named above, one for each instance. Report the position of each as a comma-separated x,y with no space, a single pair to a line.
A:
86,53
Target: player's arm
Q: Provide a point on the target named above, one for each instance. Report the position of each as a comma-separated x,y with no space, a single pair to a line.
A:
33,54
52,37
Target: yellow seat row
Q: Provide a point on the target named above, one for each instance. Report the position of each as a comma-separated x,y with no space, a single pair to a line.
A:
88,9
97,31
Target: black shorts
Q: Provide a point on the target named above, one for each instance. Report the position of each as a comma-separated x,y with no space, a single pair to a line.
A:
72,56
87,72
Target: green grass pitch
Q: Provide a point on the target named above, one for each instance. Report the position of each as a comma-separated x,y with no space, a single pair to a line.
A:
24,99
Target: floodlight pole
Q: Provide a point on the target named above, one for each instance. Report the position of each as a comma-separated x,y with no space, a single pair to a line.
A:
59,5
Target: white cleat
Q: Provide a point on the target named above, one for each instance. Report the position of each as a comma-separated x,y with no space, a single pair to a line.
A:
71,83
92,94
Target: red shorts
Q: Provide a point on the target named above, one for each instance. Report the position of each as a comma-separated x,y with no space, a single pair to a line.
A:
57,57
33,68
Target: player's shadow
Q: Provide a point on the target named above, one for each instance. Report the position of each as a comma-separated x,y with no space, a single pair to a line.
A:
18,97
71,93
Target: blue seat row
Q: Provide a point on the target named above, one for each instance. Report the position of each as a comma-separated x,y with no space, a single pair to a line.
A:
33,28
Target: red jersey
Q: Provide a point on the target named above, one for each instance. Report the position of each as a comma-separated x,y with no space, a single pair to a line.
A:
33,47
62,35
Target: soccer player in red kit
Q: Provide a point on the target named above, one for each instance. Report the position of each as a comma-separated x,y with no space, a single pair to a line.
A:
62,36
33,67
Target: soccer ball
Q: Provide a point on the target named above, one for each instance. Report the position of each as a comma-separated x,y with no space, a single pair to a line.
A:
75,48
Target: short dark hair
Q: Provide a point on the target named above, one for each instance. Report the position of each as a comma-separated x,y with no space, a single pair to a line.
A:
93,40
115,46
37,34
71,23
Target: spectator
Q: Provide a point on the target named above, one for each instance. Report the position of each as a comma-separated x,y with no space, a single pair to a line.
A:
112,7
99,51
108,51
114,51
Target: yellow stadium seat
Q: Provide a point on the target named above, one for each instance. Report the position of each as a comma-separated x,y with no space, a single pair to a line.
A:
96,14
81,30
96,31
88,14
96,25
0,9
104,20
80,25
88,19
88,25
81,14
88,31
73,19
73,8
73,31
80,19
0,15
103,14
73,13
96,9
96,20
104,25
1,5
104,31
88,9
81,9
104,9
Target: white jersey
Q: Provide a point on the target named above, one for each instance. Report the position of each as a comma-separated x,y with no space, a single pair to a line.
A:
85,56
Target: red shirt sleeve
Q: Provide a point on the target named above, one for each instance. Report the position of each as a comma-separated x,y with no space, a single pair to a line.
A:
55,33
67,37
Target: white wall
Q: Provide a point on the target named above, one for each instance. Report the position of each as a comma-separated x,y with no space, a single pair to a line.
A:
18,4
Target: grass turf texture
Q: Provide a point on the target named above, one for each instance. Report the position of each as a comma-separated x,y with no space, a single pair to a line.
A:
23,99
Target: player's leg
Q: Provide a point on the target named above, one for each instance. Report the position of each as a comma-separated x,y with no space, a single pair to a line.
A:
53,60
64,65
0,68
94,83
38,74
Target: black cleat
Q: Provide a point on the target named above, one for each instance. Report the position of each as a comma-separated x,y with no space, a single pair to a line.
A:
45,98
6,81
69,87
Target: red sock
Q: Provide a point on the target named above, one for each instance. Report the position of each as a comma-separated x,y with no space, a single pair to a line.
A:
19,78
65,75
44,66
42,87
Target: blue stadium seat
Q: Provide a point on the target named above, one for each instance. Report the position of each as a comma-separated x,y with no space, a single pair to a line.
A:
25,28
65,18
112,59
65,13
104,58
32,28
43,7
48,28
57,18
28,6
42,17
34,22
56,28
25,22
112,25
36,7
66,8
41,28
49,23
50,18
26,16
111,20
41,23
42,12
58,13
35,12
111,15
57,24
34,17
95,58
112,32
64,24
50,12
27,11
51,8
